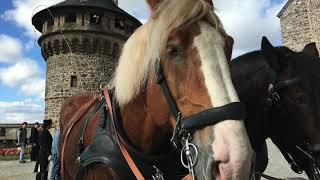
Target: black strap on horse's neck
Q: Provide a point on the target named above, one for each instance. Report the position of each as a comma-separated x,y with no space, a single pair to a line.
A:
85,123
232,111
165,89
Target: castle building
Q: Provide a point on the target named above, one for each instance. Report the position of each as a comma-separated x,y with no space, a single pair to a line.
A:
300,23
81,43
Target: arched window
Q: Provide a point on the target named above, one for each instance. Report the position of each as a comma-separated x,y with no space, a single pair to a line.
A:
95,18
65,47
75,45
119,23
73,82
96,44
116,51
50,50
86,45
56,47
106,47
71,18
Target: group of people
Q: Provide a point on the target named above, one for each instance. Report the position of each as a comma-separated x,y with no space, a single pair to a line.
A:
44,148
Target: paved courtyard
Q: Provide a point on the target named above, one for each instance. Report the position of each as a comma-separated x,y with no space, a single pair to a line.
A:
12,170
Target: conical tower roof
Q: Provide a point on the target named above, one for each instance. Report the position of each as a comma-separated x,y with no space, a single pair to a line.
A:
108,5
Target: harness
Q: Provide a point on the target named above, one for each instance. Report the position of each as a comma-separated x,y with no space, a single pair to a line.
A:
273,100
111,148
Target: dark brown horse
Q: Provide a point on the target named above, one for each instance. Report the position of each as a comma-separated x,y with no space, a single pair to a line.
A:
281,91
183,48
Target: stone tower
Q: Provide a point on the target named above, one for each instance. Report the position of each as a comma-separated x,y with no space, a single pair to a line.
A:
81,42
300,23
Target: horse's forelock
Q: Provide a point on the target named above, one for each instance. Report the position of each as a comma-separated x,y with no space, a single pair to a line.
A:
142,51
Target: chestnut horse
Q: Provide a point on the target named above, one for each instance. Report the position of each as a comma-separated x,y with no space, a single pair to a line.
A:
195,106
281,91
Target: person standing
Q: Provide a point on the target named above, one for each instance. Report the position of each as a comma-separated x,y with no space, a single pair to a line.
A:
45,142
55,173
22,141
34,141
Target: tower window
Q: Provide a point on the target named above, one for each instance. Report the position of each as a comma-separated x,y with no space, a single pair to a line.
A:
119,23
50,22
95,19
73,81
71,17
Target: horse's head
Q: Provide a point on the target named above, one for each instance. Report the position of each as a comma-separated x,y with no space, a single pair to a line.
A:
296,103
185,42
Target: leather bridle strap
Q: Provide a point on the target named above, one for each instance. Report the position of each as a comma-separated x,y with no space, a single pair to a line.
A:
232,111
123,149
213,116
283,84
165,89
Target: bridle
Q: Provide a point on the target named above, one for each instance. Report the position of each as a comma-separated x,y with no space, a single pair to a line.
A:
273,99
186,126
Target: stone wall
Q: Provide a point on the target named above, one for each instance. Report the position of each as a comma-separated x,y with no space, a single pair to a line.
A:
89,71
300,24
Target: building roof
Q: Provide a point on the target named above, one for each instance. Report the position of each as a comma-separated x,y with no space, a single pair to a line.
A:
108,5
105,4
284,8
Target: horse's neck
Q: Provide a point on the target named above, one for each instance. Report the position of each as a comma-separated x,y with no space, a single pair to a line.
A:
251,78
140,120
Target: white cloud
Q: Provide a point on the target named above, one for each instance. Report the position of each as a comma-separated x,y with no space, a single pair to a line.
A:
18,73
248,20
29,110
34,87
26,75
22,12
10,49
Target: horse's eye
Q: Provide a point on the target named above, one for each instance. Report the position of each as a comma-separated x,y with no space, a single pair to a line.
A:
174,52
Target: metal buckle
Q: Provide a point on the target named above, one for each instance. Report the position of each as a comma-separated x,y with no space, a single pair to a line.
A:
158,175
174,138
190,153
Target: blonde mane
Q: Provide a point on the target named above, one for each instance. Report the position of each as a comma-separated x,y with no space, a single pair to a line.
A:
141,53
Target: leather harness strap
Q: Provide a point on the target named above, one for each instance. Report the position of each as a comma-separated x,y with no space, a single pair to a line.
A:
123,149
70,126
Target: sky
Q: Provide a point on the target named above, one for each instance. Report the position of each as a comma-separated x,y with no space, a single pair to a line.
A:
22,68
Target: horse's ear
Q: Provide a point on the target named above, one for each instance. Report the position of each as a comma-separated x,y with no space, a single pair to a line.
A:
153,4
311,49
270,54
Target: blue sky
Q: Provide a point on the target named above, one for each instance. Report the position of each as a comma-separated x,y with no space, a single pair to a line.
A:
22,68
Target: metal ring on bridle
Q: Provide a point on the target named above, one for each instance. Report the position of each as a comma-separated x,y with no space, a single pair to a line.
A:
102,85
194,157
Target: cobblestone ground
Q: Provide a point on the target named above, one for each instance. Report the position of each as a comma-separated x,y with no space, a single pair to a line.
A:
12,170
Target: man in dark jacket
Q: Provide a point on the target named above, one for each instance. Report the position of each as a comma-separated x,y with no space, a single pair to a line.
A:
45,142
34,141
22,141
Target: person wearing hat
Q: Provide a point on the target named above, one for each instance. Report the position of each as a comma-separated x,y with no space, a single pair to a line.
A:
45,142
22,140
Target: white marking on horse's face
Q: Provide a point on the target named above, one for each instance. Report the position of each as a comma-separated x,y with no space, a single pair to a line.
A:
229,140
